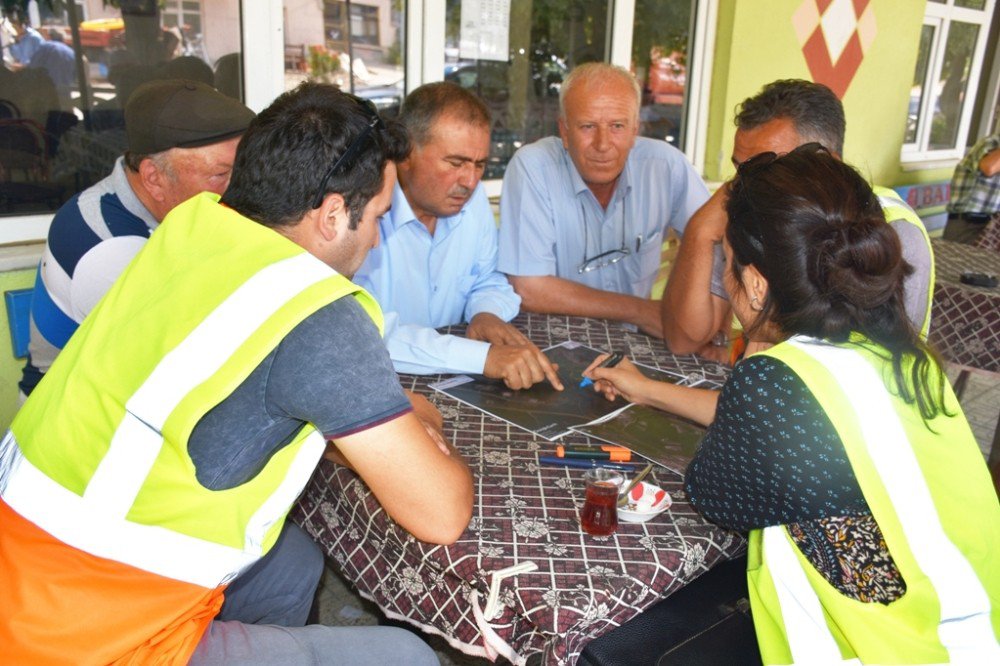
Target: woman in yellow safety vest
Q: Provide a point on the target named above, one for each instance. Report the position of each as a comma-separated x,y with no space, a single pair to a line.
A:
841,449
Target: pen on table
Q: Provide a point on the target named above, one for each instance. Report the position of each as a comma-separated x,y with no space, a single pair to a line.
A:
583,463
607,452
609,362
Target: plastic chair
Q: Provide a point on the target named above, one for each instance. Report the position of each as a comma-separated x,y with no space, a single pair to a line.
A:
18,302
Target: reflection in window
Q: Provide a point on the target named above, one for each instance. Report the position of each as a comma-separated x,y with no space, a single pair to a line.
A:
359,50
64,83
547,39
952,84
919,76
946,77
660,41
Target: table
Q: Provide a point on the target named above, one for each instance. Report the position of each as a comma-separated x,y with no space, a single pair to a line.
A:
965,320
584,586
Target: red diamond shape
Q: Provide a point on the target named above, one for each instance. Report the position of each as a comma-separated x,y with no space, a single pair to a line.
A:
837,76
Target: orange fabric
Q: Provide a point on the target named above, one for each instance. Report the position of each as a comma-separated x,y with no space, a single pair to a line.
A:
62,605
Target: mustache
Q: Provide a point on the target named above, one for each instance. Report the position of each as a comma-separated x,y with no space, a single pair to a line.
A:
460,191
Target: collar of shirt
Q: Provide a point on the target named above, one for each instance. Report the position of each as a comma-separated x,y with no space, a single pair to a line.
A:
622,187
401,214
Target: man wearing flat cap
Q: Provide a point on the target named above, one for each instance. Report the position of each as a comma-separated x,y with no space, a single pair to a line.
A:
182,139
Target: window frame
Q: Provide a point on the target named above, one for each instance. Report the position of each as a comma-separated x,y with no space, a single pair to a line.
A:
262,25
940,16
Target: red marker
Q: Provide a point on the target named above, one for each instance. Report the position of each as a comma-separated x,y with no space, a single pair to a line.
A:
608,452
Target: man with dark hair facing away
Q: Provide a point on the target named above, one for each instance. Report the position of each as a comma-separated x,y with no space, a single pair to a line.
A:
436,263
785,114
145,483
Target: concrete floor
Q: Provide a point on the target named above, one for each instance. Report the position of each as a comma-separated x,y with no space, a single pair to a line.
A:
339,605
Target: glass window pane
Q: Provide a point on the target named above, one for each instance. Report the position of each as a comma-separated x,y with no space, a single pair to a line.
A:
66,81
952,86
971,4
660,42
322,40
919,77
547,39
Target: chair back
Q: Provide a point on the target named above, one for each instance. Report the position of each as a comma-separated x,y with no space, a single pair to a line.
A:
18,304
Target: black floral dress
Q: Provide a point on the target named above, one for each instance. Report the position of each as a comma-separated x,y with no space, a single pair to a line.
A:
772,457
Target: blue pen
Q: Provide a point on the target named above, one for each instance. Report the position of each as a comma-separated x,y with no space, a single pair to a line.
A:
609,362
582,463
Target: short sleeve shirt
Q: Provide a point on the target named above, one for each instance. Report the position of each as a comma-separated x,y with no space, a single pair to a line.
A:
332,371
550,221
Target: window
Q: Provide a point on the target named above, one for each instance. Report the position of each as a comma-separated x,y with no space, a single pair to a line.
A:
378,49
61,116
547,39
185,15
949,58
361,52
660,56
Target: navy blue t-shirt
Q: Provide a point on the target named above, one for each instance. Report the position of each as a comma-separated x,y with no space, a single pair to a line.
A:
332,370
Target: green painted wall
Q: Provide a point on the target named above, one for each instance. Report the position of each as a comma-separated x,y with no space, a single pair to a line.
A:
756,43
10,367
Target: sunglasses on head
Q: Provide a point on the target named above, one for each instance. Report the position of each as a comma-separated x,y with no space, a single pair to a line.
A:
347,157
761,160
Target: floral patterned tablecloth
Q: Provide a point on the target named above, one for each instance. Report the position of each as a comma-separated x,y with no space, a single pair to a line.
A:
583,587
965,320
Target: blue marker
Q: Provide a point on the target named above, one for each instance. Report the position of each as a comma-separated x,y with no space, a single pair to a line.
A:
609,362
579,463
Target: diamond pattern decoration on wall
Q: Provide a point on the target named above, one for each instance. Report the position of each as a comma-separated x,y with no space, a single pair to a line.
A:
834,35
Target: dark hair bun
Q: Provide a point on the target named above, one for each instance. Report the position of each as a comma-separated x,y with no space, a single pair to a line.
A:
857,263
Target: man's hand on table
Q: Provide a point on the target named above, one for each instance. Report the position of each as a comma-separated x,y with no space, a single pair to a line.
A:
490,328
521,366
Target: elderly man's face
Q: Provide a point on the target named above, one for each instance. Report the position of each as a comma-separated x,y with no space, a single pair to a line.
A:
777,136
599,129
439,177
196,170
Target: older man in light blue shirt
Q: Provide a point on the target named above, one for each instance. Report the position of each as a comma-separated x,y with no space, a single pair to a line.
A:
436,260
583,216
432,281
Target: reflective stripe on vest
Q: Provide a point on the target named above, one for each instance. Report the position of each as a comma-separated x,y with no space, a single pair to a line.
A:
137,501
69,518
894,208
137,442
96,521
943,571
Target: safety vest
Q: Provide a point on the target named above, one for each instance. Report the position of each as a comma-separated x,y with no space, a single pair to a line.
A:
110,549
930,493
894,209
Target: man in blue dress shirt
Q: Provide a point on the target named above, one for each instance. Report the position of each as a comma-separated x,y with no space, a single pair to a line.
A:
26,43
583,216
436,260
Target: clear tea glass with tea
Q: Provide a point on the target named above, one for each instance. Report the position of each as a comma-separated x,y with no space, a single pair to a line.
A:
599,515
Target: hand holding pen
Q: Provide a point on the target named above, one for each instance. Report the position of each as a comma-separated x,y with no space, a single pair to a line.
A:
623,379
608,362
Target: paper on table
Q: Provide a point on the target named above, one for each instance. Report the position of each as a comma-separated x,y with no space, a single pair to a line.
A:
541,409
